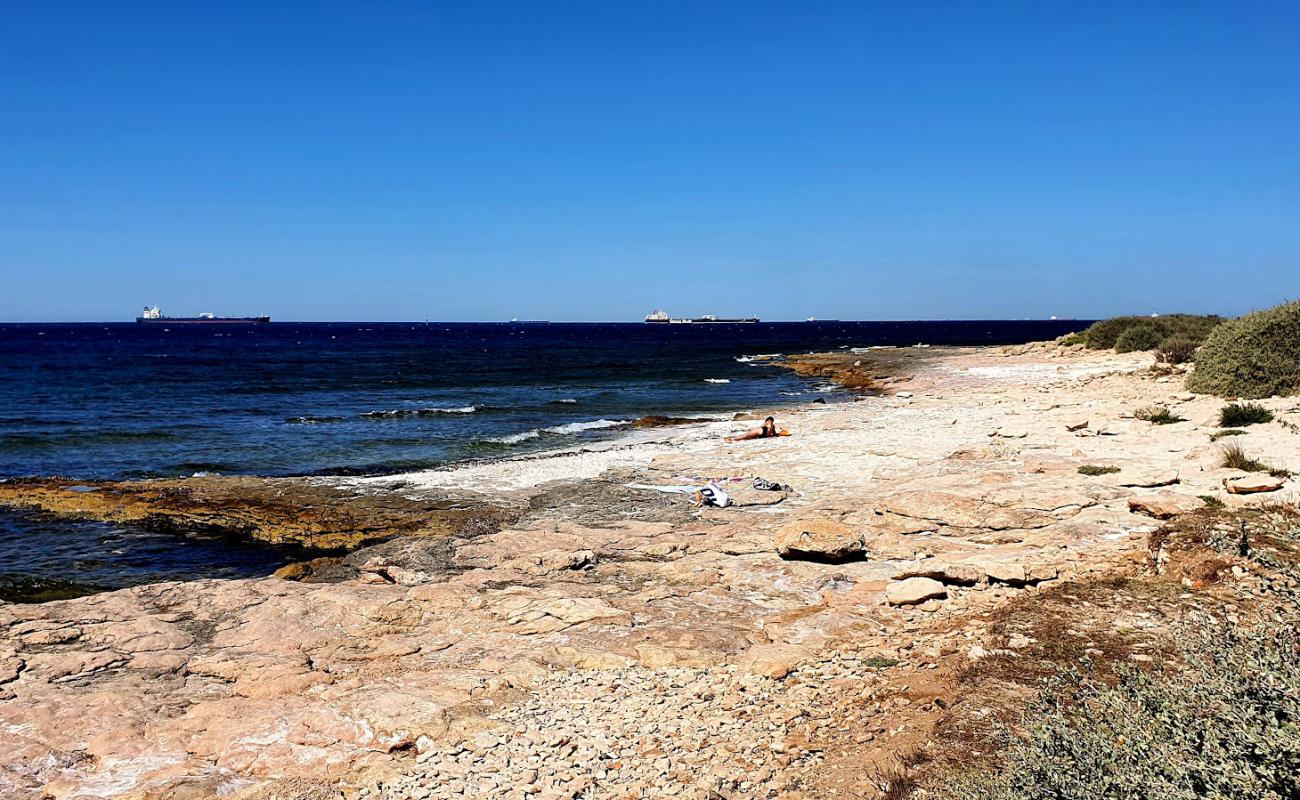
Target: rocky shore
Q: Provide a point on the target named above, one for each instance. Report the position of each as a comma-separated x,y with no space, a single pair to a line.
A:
544,628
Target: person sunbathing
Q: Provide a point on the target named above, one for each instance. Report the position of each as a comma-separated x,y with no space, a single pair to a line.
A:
768,431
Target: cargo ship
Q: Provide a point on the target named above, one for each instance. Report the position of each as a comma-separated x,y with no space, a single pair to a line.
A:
155,316
661,317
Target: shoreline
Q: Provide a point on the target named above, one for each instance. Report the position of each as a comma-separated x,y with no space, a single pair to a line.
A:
769,645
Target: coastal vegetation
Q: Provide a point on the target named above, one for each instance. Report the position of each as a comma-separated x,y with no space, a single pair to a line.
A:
1225,724
1217,435
1157,415
1097,469
1234,457
1177,350
1213,713
1174,333
1239,415
1254,356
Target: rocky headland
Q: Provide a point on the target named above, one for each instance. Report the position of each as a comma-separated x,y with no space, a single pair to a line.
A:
546,627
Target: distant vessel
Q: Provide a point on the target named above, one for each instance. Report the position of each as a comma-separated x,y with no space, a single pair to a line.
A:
155,316
660,317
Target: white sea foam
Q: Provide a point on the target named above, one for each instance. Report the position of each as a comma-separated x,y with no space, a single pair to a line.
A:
566,400
420,412
757,357
717,380
578,427
516,438
561,430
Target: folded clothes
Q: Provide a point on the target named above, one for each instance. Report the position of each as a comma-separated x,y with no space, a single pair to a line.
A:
768,486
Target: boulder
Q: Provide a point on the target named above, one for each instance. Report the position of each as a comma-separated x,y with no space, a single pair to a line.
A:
1164,505
911,591
819,539
1250,484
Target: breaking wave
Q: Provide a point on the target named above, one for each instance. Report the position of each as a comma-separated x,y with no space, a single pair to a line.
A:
397,413
560,430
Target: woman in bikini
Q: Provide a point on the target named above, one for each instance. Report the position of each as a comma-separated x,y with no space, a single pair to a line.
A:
768,431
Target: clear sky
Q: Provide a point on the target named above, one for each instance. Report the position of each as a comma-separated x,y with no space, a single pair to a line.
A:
594,161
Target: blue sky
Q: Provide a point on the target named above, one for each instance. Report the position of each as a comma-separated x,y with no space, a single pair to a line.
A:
593,161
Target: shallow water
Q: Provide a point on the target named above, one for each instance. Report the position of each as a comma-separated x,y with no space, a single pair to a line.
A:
46,558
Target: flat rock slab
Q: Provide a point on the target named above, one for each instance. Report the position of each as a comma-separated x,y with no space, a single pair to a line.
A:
1250,484
1164,505
819,539
1148,478
911,591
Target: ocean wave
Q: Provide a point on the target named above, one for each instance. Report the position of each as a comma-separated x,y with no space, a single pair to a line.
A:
516,438
579,427
565,401
566,429
307,419
419,412
757,357
717,380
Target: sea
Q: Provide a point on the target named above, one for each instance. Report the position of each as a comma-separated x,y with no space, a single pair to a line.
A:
129,401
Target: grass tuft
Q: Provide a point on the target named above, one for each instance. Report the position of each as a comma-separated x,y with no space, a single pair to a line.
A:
1235,458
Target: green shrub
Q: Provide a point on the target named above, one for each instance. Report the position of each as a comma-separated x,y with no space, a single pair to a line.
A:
1254,356
1226,725
1097,469
1071,339
1158,415
1241,414
1105,334
1177,350
1217,435
1142,336
1102,334
1211,501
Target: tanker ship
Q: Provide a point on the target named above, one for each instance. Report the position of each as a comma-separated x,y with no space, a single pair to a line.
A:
662,318
153,315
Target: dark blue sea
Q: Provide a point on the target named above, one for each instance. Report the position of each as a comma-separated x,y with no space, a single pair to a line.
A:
122,400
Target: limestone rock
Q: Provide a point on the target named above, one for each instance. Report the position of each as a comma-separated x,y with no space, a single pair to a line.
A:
772,660
1164,505
818,538
1148,477
943,571
1251,484
1076,425
914,590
